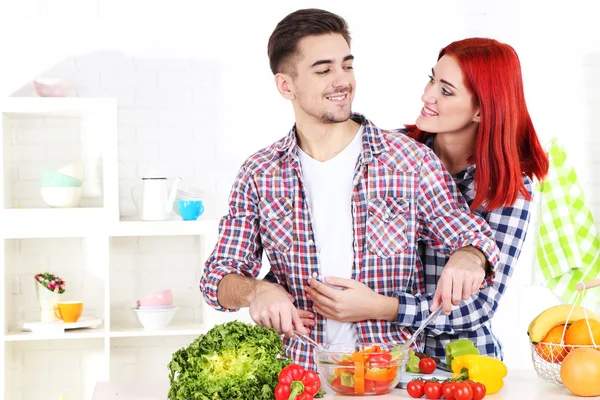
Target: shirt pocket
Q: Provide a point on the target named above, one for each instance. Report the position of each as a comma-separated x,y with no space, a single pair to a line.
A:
276,223
387,226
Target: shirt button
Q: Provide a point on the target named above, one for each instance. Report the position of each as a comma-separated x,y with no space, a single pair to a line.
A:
311,242
314,275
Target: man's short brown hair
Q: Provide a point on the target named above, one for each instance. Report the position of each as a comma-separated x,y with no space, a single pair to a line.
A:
283,43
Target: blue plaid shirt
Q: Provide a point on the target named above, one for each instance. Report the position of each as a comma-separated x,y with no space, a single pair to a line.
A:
473,318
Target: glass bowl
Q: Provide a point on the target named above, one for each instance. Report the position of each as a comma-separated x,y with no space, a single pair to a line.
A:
362,369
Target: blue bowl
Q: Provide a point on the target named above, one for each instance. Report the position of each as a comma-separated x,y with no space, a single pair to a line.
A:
190,210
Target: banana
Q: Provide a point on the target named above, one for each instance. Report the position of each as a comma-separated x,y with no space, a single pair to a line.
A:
554,316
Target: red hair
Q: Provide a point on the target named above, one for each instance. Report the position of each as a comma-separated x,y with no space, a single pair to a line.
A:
507,145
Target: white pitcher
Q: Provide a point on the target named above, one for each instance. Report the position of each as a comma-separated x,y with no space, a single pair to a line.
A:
157,199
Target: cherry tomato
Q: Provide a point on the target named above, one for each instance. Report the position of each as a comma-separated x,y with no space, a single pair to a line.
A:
427,365
433,390
415,389
463,391
478,391
448,390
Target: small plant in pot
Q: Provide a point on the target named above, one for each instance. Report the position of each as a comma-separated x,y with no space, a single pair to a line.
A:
49,289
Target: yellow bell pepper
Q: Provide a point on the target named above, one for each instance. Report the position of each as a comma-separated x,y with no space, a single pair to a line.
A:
487,370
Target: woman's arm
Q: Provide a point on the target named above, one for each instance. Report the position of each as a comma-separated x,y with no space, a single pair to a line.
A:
509,225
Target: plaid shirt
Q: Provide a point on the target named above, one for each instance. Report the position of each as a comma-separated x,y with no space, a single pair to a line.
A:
472,319
400,197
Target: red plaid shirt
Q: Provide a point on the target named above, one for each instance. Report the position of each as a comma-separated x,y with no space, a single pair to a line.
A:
400,196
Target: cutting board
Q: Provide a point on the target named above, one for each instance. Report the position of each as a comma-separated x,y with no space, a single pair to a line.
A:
409,376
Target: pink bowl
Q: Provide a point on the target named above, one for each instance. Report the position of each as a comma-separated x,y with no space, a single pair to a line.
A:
161,298
49,87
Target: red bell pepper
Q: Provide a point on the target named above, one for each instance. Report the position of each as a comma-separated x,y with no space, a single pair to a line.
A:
296,383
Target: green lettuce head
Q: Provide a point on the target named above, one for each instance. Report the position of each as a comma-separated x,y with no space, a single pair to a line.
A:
231,361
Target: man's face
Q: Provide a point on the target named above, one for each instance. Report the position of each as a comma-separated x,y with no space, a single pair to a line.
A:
323,85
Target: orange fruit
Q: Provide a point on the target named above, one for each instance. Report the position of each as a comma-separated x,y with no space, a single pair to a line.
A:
555,352
580,370
579,332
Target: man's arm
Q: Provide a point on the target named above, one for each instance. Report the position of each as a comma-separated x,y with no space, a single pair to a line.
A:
509,225
238,249
229,279
446,224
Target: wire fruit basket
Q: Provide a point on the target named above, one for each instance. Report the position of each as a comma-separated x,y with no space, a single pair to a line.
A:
547,357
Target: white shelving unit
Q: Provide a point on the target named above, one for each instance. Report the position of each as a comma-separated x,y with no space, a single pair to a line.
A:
88,243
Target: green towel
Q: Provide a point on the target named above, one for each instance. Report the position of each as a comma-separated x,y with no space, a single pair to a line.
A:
568,247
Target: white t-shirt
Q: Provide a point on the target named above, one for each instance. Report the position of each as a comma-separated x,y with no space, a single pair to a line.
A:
328,186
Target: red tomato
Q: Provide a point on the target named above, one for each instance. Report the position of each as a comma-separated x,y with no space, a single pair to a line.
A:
433,390
427,365
369,386
382,387
337,385
463,391
381,360
478,391
415,389
448,390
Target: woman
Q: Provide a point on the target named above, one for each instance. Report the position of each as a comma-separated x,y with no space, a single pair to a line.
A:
475,119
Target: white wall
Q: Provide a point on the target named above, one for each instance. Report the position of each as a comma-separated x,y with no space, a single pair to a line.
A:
197,97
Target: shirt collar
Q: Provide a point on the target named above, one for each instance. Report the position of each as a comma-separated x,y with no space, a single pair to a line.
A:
372,140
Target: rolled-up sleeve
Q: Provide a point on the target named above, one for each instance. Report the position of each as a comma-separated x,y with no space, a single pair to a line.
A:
445,221
238,249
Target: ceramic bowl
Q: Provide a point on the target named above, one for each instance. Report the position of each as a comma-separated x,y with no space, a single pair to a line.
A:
160,298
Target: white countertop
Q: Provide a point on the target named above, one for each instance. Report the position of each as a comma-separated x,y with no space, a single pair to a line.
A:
519,384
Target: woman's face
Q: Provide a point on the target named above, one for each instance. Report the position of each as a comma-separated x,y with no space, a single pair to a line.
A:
449,107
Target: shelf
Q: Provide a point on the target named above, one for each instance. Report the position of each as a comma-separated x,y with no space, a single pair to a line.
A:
20,336
172,330
23,223
55,106
165,228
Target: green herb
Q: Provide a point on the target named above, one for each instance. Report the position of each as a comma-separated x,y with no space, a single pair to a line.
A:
231,361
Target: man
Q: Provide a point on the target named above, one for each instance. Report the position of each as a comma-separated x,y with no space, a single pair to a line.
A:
336,197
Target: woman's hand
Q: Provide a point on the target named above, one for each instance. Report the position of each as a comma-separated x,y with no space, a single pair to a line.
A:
307,317
354,302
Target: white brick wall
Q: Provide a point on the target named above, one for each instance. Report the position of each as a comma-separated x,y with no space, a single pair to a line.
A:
142,266
45,370
144,358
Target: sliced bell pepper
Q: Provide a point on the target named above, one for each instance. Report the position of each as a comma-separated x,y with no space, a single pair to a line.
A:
359,372
381,374
483,369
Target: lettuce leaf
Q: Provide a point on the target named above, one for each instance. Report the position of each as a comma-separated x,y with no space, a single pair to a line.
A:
234,360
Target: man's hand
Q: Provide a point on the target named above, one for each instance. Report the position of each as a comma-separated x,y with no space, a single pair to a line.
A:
270,307
357,302
307,318
461,278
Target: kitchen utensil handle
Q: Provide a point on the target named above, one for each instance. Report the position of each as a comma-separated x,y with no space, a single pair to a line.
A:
581,286
431,317
307,340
